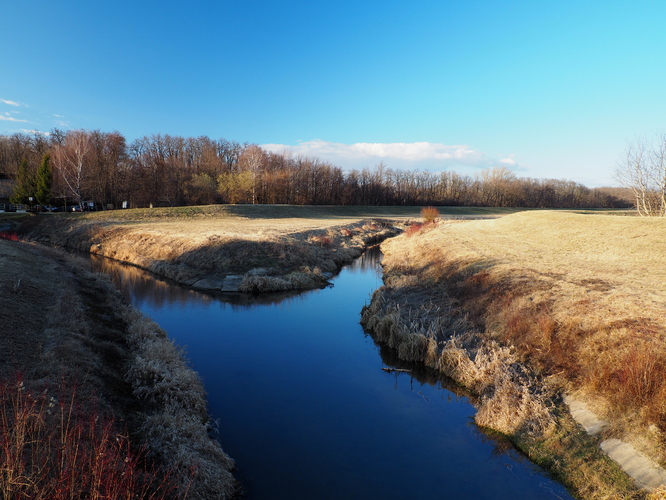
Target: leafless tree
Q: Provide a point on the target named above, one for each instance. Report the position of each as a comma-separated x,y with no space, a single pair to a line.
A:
252,160
70,164
643,170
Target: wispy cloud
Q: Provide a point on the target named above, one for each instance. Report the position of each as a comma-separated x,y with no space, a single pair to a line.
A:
422,155
11,103
58,116
35,132
12,119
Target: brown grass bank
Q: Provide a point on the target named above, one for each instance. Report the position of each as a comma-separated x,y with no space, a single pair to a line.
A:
102,395
533,305
223,248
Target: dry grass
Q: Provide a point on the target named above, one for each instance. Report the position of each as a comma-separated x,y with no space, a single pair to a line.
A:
197,246
541,302
61,322
52,450
177,427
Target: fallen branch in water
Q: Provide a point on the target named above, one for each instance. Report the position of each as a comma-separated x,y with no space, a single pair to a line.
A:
390,370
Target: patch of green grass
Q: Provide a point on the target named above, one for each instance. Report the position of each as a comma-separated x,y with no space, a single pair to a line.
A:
289,212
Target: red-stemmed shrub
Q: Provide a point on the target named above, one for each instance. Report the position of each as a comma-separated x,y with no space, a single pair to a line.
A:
51,448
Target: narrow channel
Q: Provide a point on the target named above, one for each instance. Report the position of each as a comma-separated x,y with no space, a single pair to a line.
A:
306,410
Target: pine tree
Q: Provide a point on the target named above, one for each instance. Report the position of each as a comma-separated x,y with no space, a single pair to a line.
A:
44,181
24,186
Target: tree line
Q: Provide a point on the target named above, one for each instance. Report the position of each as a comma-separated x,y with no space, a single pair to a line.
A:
164,170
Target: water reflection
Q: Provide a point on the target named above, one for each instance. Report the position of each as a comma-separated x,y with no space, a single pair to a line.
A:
307,412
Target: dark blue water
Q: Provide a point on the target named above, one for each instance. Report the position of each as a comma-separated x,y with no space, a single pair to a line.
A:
306,410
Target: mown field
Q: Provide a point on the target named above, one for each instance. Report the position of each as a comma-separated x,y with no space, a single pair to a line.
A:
533,305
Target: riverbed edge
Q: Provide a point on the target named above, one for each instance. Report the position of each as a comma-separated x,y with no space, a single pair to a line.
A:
325,252
562,447
165,412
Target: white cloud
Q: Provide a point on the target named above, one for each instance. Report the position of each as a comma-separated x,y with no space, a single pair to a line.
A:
35,132
508,161
11,103
415,155
12,119
58,116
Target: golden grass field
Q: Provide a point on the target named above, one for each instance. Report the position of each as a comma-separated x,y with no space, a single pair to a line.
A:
532,305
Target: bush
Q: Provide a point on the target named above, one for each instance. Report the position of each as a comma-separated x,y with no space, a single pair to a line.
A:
429,214
414,228
50,449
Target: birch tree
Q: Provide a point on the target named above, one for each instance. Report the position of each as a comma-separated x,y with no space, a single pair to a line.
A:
642,169
69,161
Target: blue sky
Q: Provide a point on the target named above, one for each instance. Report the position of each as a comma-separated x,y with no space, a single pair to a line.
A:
547,89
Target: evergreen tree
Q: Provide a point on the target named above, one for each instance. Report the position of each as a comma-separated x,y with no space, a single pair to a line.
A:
25,184
44,181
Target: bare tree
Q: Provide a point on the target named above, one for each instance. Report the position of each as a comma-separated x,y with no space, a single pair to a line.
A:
70,163
252,160
643,171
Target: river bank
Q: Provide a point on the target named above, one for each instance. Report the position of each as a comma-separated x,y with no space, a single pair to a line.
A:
85,375
221,248
529,307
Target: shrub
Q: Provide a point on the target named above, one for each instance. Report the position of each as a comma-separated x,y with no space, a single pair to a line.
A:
429,214
51,449
8,235
414,228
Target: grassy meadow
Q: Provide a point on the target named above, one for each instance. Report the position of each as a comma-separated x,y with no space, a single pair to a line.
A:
527,307
249,248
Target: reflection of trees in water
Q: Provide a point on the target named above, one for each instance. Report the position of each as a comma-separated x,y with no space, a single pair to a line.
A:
424,375
368,260
145,287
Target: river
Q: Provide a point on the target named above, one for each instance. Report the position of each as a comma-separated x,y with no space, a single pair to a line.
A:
305,409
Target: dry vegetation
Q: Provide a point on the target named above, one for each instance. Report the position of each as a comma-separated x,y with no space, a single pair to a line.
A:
526,307
228,248
95,401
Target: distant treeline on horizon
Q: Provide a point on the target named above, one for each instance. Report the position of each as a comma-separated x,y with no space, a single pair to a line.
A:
166,170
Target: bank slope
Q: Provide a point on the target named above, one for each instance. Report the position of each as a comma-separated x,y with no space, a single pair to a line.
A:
528,307
72,347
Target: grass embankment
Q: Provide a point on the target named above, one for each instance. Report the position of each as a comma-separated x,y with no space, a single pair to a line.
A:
225,248
95,401
532,305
